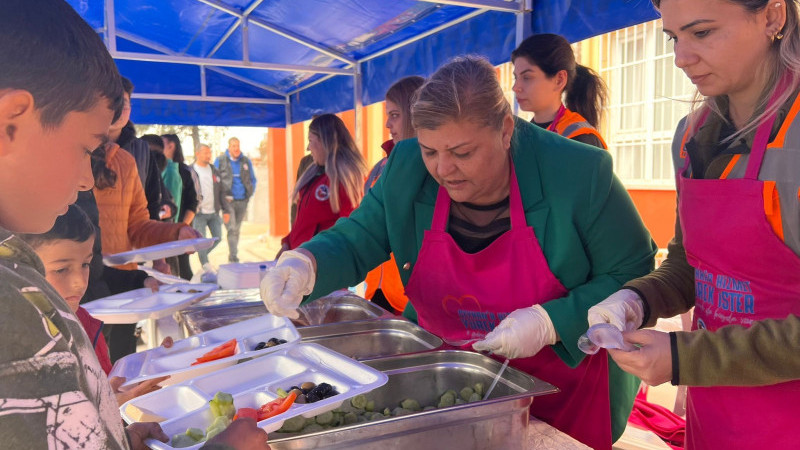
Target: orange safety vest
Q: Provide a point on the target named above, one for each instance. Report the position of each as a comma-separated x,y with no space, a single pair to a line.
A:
781,192
572,124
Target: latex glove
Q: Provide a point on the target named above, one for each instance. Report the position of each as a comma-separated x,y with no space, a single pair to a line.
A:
284,285
623,309
521,334
652,361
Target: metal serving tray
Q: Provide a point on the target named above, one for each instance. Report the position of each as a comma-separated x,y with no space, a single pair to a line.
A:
230,306
499,422
371,338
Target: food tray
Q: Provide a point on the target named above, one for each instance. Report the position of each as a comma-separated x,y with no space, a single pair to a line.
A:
372,338
499,422
140,304
176,361
241,275
225,307
254,383
167,249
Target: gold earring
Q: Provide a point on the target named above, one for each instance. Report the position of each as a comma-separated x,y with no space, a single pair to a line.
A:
779,36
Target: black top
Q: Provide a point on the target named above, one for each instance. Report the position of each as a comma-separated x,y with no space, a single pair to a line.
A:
474,227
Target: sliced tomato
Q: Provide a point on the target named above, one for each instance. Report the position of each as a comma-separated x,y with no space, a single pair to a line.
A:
218,352
277,406
246,412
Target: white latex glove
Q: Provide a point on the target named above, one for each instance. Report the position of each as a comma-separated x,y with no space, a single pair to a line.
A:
284,285
623,309
521,334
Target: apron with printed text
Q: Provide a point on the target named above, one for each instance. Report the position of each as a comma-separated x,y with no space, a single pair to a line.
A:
743,273
461,296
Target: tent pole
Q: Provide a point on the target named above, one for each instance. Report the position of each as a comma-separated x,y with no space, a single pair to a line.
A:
289,168
111,28
357,107
523,25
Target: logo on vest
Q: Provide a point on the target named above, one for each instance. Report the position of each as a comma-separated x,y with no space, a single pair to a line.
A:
322,192
724,297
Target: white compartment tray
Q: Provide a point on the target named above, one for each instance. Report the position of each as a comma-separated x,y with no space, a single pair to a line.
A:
140,304
256,382
177,360
158,251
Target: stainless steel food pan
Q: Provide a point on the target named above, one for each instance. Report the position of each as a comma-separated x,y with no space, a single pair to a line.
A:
231,306
371,339
497,423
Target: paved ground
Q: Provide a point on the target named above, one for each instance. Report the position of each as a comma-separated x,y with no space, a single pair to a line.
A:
254,245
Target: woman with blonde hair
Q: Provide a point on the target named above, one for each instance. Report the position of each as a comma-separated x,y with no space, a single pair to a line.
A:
384,286
735,257
332,186
504,234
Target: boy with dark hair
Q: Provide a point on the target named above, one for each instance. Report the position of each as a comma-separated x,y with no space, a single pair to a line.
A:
59,93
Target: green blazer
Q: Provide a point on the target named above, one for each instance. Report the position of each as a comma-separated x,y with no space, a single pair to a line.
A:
585,222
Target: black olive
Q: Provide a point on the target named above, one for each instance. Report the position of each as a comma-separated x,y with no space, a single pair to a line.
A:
260,345
282,341
312,397
300,399
274,341
271,344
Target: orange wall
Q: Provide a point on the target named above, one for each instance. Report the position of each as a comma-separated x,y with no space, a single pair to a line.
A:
657,208
278,190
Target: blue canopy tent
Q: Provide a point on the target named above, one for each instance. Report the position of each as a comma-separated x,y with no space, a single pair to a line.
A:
271,63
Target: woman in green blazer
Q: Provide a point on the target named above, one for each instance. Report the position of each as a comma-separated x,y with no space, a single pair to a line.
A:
503,234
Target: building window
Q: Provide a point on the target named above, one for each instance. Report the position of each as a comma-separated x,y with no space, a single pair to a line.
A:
648,95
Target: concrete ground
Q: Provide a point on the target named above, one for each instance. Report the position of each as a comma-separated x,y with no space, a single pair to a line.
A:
255,244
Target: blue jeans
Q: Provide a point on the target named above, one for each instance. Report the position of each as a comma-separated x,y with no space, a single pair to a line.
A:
214,223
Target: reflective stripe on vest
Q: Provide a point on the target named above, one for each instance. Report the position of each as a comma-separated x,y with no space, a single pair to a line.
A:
573,124
781,169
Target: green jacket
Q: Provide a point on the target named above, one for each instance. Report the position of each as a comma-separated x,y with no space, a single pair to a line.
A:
173,182
584,220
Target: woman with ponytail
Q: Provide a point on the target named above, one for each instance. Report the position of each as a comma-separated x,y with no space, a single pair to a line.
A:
546,77
332,186
735,257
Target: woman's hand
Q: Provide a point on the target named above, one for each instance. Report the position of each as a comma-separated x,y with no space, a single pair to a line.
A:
162,266
520,335
652,362
140,431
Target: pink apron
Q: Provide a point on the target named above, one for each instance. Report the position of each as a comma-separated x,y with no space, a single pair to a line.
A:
460,296
743,273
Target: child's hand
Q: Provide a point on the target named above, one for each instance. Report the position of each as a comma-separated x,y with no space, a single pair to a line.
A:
167,342
142,388
151,283
162,266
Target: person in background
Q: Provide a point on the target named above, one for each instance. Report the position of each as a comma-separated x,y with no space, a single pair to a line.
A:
170,174
504,234
66,251
331,187
735,256
126,224
546,76
239,179
304,163
212,199
123,133
384,286
59,93
190,197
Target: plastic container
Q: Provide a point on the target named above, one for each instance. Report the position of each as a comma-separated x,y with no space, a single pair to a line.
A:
177,360
141,304
256,382
241,275
167,249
